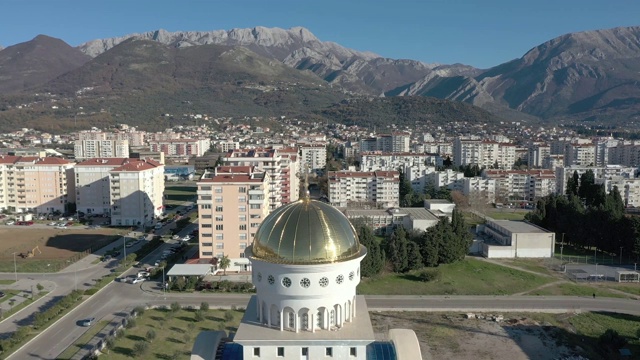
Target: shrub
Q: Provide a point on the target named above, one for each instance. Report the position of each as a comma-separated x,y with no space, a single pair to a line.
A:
131,323
139,310
175,306
204,306
90,291
151,334
427,275
39,287
228,316
199,315
139,348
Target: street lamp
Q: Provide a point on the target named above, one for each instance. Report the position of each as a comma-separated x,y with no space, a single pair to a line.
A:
15,266
561,247
621,254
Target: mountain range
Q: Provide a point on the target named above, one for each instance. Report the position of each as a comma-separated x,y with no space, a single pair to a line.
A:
592,75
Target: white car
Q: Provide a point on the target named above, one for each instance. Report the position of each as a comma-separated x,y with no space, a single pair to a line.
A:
186,238
175,237
10,222
138,280
61,227
52,224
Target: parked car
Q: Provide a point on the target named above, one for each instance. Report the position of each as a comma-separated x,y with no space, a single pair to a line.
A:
87,321
61,227
186,238
144,274
10,222
138,280
52,224
2,294
175,237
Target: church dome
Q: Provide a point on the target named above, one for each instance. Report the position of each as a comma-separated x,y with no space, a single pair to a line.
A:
306,232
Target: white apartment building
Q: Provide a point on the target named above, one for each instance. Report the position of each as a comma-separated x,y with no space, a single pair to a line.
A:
226,145
137,189
479,188
377,160
599,172
314,157
283,166
483,153
507,156
184,148
35,184
395,142
580,154
377,188
537,154
448,178
625,153
93,189
417,175
232,202
629,189
522,185
100,148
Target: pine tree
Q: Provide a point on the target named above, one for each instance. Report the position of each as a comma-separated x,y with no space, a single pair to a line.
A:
414,257
397,250
373,263
429,247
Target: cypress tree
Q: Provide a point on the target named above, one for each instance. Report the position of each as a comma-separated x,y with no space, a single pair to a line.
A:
373,263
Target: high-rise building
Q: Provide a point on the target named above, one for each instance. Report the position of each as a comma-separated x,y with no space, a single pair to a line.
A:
100,148
93,189
181,147
314,157
35,184
232,203
377,188
137,189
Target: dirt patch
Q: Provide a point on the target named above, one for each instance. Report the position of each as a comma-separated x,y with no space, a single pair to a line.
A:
453,336
55,246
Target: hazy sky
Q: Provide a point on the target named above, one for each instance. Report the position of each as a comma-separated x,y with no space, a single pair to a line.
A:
481,33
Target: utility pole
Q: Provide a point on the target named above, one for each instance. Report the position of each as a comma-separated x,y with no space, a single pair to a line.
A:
621,254
561,247
15,266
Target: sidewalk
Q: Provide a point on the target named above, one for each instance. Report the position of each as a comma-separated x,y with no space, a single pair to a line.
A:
25,288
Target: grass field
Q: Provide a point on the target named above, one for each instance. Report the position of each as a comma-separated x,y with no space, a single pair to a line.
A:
178,194
504,215
467,277
592,325
570,289
175,333
55,247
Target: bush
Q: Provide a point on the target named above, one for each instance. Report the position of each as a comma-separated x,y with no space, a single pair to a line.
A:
131,323
39,287
204,306
139,348
151,334
228,316
139,310
427,275
199,315
175,306
90,291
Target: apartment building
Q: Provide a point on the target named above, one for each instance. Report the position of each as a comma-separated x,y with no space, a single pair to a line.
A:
625,153
417,175
135,138
314,157
448,178
476,188
232,202
483,153
537,154
375,188
599,172
100,148
35,184
283,166
385,161
580,154
136,188
629,189
521,184
181,147
93,189
395,142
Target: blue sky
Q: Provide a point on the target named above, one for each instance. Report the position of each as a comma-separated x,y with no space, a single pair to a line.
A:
481,33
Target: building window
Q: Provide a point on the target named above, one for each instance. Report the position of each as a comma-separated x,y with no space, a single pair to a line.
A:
205,206
242,189
207,244
218,208
205,188
286,282
207,253
353,351
204,216
219,227
255,206
219,245
305,351
243,246
242,217
242,227
242,208
305,283
280,351
218,199
328,352
206,235
324,282
219,217
206,225
256,351
271,279
219,236
242,199
219,191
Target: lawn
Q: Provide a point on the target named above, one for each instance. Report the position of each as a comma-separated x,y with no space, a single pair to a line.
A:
504,215
595,324
570,289
178,194
535,265
7,282
629,288
467,277
175,333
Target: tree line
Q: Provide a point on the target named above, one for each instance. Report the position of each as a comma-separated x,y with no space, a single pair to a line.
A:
446,242
586,216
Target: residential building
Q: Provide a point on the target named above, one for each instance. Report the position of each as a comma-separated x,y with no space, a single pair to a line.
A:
100,148
93,189
477,188
232,203
181,148
629,189
390,161
314,157
376,188
283,166
521,184
599,172
537,154
137,189
35,184
580,154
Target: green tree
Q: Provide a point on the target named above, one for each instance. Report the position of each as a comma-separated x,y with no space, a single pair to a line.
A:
198,315
204,306
140,348
224,263
151,335
397,250
414,257
175,307
572,184
373,263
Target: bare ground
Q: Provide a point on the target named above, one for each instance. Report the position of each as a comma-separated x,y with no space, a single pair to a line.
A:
452,336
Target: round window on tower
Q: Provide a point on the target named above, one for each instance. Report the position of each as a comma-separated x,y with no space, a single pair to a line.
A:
305,283
271,280
339,279
286,282
324,282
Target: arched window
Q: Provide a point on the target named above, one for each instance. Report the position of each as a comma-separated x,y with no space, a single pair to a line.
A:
305,321
292,320
320,319
332,317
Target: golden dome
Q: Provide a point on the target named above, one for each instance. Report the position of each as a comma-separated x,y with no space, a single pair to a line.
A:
306,232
